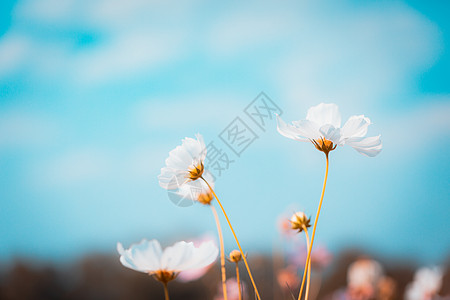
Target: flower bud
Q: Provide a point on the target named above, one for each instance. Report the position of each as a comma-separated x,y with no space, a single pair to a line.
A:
205,198
235,256
299,221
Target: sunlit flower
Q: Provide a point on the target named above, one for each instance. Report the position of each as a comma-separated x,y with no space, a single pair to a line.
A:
198,190
148,257
185,163
364,271
426,285
362,278
299,221
322,127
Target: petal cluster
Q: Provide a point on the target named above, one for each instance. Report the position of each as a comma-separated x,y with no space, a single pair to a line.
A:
184,163
322,126
148,256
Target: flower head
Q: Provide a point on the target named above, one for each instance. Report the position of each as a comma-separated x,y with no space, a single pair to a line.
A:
148,257
363,276
322,127
426,285
299,221
287,278
198,190
185,163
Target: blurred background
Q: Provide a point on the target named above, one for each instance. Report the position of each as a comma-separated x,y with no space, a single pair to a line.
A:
94,94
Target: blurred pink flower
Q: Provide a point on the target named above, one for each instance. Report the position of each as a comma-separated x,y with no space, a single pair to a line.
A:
288,279
320,257
232,290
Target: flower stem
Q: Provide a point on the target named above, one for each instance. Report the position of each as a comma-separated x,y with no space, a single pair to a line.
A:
309,263
314,229
222,253
237,241
238,281
166,291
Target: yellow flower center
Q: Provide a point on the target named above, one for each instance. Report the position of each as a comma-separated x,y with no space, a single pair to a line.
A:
164,276
196,172
324,145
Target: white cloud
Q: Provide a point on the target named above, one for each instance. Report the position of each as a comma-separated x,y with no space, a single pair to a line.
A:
74,168
134,36
244,31
187,110
126,55
21,129
14,52
48,11
425,125
356,55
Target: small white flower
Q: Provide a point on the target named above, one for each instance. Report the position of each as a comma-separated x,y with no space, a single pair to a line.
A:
184,163
323,128
364,272
148,257
198,190
426,285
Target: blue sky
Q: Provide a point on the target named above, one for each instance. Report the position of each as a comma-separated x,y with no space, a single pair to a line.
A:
94,94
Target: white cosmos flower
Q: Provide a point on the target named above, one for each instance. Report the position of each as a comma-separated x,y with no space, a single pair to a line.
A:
426,285
184,163
323,128
148,257
198,190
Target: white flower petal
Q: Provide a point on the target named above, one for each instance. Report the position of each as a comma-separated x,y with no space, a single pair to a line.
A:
175,256
142,257
307,129
324,114
146,255
331,133
125,259
202,256
181,160
172,179
193,147
288,131
369,146
192,189
356,126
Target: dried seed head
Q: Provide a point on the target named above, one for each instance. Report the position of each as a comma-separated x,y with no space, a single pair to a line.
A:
235,256
299,221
